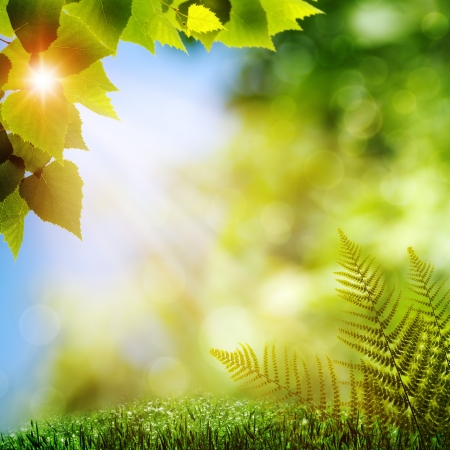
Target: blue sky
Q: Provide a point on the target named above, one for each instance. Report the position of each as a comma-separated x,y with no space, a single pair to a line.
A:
172,110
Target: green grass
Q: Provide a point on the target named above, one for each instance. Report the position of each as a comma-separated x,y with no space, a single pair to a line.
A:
205,422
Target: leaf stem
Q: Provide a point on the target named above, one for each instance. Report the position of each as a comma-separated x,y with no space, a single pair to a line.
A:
6,42
177,11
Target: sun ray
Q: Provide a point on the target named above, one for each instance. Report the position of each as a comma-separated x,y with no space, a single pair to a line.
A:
43,79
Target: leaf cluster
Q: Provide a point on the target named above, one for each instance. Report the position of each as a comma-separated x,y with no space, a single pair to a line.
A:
65,40
403,376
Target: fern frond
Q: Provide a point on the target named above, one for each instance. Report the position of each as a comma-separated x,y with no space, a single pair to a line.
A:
374,355
323,394
298,384
360,315
275,365
354,404
243,365
384,324
287,369
337,412
421,274
374,343
309,394
371,330
379,351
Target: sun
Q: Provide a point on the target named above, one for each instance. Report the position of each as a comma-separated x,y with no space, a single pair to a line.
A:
43,80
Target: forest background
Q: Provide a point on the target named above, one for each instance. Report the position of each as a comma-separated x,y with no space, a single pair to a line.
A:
223,228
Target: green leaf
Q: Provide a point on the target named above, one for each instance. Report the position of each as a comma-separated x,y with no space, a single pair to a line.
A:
5,25
137,28
34,158
202,20
11,174
5,67
18,76
89,88
105,18
247,26
221,8
39,119
74,137
55,196
35,22
282,15
160,29
12,216
75,49
6,148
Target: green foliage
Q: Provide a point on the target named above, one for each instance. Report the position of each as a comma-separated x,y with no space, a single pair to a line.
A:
60,44
204,422
12,214
404,371
55,195
202,20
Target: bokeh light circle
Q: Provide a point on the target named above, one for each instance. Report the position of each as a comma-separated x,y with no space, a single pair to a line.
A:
435,25
363,121
39,325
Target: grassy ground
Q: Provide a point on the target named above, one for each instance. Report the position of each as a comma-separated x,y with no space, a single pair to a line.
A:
203,422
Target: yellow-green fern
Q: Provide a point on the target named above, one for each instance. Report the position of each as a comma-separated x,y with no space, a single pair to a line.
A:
403,376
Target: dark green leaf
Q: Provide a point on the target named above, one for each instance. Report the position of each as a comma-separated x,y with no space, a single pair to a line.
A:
5,67
55,196
105,18
34,158
35,22
75,49
11,174
6,148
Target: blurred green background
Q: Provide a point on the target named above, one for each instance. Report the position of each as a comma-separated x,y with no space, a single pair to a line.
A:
345,126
